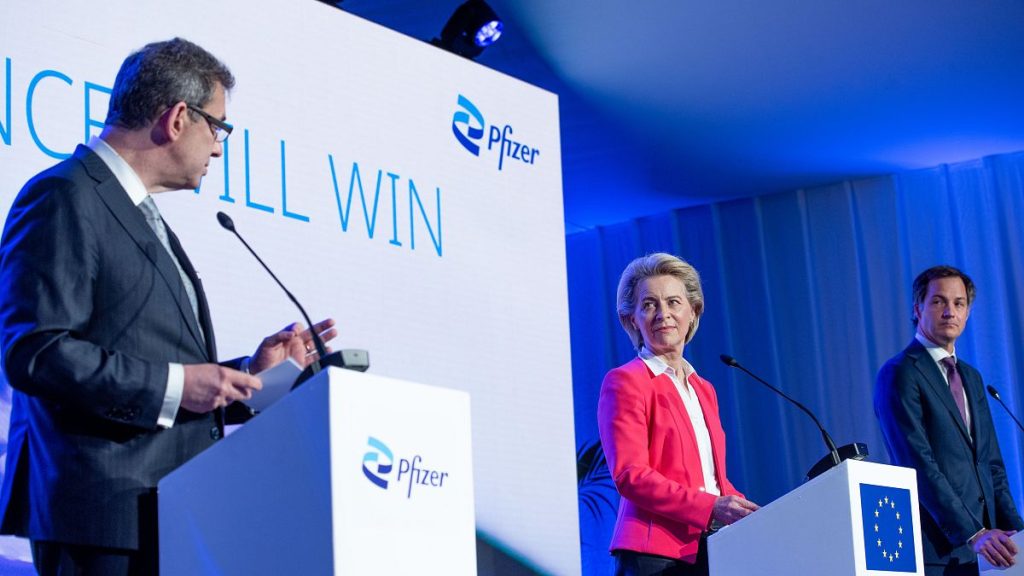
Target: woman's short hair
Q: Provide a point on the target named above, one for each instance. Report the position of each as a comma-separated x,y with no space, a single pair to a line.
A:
657,264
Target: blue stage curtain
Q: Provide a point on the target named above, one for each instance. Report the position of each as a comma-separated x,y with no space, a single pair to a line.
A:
811,290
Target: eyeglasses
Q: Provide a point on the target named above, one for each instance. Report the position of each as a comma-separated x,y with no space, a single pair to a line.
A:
221,129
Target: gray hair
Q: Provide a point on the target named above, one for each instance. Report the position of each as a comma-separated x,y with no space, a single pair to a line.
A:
657,264
161,74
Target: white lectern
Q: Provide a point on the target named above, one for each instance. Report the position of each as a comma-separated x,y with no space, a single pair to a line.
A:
858,519
349,474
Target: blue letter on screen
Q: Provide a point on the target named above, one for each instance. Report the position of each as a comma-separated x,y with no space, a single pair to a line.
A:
394,210
5,128
248,193
413,194
355,180
28,109
227,174
89,122
284,193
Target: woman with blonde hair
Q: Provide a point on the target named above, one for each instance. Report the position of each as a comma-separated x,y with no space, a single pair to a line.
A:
661,431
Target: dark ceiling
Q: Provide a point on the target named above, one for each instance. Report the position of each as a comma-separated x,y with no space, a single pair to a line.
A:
667,104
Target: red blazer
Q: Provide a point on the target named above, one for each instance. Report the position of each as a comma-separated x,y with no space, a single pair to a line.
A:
652,454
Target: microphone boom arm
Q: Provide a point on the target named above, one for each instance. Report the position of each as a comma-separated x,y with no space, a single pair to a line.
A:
829,443
321,349
995,394
351,359
855,451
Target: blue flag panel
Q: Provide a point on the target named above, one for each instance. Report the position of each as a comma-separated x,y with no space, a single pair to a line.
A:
888,528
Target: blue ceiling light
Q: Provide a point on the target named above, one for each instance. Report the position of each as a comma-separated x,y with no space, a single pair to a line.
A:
488,33
472,27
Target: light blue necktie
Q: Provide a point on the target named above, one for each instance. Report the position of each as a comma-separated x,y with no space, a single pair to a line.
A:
156,222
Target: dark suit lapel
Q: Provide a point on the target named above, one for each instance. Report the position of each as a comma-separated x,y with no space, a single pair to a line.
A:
134,223
975,392
936,384
204,308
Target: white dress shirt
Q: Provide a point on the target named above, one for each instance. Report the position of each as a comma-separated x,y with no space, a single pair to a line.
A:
938,354
693,410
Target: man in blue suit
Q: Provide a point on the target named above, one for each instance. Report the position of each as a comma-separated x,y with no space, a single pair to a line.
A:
935,418
106,334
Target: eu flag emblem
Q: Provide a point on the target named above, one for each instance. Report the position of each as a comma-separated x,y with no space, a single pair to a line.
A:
888,528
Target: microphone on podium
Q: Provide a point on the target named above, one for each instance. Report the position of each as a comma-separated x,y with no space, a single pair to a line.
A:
995,394
855,451
351,359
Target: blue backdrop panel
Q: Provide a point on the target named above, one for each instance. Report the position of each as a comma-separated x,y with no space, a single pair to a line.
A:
810,289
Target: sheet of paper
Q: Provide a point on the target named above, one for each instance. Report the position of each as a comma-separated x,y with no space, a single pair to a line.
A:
1016,570
277,382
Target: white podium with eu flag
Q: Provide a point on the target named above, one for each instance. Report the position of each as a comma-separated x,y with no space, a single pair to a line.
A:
857,519
350,473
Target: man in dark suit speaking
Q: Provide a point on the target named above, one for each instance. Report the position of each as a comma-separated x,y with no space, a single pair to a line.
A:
935,418
106,335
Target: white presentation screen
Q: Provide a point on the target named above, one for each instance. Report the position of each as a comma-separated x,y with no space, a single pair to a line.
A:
412,195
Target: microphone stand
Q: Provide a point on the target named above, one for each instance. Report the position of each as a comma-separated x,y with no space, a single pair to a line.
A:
995,394
351,359
835,456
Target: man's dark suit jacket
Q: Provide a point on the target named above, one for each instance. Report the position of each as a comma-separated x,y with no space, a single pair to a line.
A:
961,482
92,310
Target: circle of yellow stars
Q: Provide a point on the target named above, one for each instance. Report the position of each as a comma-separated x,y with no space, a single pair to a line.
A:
894,554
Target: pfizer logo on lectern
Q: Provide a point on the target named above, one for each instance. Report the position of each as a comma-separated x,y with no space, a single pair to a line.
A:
409,476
